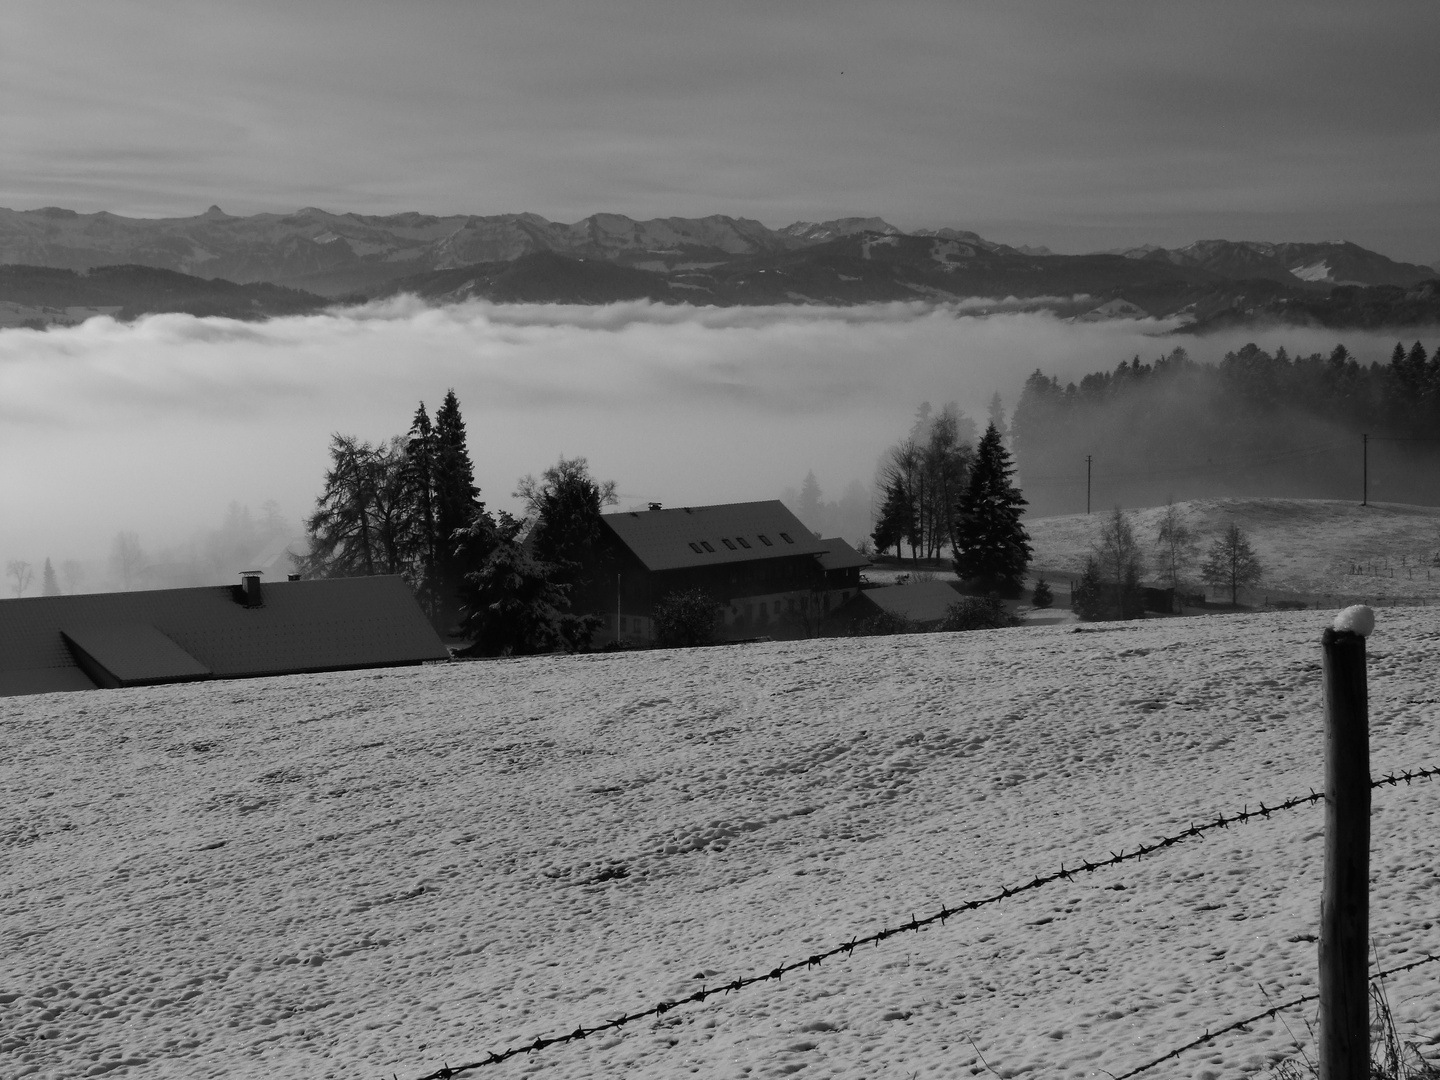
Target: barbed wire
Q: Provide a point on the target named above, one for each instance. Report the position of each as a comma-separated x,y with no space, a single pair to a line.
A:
1270,1013
915,925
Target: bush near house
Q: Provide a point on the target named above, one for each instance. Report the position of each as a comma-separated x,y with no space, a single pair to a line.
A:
685,620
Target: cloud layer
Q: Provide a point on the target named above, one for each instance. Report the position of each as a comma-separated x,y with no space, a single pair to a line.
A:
157,426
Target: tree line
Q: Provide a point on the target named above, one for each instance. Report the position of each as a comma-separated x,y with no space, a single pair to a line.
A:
1255,423
410,506
943,493
1109,586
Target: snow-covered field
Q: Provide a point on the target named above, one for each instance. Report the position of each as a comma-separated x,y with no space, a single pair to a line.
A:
1306,547
372,873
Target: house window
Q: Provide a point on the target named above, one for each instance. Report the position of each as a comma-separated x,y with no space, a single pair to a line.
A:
706,545
727,543
765,540
763,614
623,627
743,542
786,538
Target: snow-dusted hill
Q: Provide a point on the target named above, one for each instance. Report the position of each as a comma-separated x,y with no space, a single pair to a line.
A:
1306,547
374,873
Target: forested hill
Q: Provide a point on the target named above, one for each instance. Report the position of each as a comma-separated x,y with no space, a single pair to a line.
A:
41,296
1254,424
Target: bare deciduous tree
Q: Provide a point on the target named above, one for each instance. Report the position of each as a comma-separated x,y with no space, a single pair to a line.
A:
1176,542
1231,561
21,572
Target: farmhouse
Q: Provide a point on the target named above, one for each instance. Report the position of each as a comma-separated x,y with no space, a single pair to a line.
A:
766,571
80,642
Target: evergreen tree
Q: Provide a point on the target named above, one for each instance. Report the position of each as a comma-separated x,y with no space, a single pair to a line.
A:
1087,595
512,603
564,506
997,415
992,548
457,499
49,586
808,510
1231,561
421,471
897,518
1042,597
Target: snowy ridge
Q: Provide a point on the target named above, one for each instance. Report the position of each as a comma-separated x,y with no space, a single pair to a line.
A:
377,872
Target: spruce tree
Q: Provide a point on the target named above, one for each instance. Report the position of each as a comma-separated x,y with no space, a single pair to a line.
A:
1042,597
421,467
457,499
49,586
992,548
897,522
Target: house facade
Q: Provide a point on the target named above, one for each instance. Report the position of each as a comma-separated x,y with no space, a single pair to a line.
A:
768,574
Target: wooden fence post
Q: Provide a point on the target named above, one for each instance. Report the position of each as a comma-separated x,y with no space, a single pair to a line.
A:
1345,901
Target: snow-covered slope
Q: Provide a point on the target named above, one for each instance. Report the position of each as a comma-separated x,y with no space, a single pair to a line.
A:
374,873
1320,548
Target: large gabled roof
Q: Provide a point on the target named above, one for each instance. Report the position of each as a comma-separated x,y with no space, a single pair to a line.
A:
699,536
52,643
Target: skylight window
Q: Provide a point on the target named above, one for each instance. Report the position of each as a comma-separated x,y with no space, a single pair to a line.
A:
743,542
765,540
786,538
695,548
727,543
706,545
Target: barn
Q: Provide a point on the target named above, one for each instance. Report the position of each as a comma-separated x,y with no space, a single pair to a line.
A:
767,572
85,641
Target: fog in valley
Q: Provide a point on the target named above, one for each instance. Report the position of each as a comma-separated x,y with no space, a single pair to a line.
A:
203,439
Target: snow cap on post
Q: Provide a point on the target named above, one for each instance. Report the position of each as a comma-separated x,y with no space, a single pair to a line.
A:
1357,619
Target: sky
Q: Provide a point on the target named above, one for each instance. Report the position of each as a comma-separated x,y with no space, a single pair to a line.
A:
156,427
1079,126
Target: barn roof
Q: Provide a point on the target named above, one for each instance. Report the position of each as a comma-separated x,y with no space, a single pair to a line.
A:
839,555
698,536
920,601
50,643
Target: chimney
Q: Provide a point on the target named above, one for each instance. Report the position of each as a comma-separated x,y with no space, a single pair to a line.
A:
654,506
250,579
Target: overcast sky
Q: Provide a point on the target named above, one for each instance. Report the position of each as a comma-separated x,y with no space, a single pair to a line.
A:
1081,125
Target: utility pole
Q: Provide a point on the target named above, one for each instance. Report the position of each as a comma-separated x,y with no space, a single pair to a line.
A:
1087,485
1364,470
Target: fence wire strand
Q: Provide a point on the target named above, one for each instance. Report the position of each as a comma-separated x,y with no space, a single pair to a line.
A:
1268,1014
915,925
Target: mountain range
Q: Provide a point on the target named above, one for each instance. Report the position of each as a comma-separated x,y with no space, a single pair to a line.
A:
318,258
